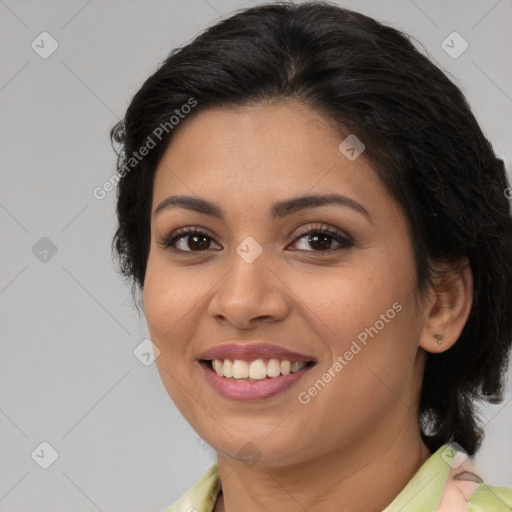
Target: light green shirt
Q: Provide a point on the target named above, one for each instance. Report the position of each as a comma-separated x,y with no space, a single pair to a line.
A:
423,493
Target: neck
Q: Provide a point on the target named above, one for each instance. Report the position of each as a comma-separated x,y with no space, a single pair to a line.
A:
363,477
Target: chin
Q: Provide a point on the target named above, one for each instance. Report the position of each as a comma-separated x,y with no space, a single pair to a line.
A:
260,450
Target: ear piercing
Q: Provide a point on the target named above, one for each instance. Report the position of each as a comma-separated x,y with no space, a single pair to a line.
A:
439,338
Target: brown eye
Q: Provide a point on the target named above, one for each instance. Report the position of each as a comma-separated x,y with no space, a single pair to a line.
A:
189,240
322,239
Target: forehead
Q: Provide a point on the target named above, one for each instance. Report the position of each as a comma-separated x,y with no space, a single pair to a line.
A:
260,152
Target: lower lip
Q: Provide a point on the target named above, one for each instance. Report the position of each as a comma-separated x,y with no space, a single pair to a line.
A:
251,390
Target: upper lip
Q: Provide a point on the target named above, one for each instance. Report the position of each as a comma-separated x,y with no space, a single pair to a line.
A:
250,351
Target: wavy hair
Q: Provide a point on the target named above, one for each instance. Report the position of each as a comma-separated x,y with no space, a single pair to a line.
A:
421,139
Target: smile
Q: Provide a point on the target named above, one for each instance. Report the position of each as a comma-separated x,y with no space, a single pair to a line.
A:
255,370
258,369
257,379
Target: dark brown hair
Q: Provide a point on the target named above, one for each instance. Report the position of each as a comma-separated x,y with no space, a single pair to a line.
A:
421,138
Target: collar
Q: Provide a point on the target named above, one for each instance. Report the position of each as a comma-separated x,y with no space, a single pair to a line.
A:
423,493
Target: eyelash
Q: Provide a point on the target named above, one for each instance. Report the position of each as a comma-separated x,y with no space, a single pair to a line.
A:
344,241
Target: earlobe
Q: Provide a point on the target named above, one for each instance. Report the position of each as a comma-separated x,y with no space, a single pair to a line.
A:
439,338
448,306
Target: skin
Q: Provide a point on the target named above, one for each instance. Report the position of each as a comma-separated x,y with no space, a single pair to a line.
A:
361,431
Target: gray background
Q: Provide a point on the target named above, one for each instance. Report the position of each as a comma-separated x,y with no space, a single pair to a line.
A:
68,372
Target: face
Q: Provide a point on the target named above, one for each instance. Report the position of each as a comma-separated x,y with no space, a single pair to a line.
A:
334,283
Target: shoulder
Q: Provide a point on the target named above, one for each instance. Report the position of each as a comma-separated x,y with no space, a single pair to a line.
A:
489,498
449,482
201,497
465,491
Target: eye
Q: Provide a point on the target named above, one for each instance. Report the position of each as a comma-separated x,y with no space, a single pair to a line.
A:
321,239
195,240
198,240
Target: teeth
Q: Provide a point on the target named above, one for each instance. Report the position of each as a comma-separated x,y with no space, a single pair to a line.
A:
274,368
217,366
257,369
240,369
295,367
227,368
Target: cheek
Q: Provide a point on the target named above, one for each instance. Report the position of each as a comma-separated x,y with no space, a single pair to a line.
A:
167,301
378,351
345,301
171,296
366,314
165,306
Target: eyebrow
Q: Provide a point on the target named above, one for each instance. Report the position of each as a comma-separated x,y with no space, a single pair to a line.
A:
279,210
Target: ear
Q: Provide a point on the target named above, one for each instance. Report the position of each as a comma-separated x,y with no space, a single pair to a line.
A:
447,306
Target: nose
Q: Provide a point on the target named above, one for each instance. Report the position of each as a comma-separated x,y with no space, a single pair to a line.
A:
249,294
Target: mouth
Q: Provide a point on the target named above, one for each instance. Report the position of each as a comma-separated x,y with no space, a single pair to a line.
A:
256,369
253,370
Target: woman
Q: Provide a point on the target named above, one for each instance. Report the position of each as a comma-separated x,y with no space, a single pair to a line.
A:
322,238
